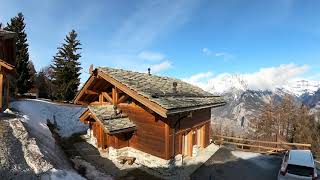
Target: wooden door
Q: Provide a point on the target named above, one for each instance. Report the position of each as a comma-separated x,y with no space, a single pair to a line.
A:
199,135
185,144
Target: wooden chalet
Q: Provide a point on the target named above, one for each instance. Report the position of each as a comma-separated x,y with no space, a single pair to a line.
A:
7,58
160,116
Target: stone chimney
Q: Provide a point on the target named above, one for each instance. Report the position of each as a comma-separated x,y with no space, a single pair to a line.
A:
149,71
91,69
174,87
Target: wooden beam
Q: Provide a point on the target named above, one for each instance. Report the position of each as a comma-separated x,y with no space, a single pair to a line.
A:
8,93
6,65
123,98
115,95
143,100
203,136
91,92
82,103
106,95
101,98
1,88
190,144
167,141
84,88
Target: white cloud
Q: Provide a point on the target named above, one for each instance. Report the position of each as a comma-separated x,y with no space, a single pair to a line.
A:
151,56
265,79
161,66
206,51
224,55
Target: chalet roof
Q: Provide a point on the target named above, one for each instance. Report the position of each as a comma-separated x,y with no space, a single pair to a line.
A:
160,90
112,122
6,65
6,34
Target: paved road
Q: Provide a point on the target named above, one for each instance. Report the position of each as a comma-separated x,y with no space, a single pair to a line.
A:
223,165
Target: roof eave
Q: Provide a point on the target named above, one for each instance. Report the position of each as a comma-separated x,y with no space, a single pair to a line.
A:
194,108
6,65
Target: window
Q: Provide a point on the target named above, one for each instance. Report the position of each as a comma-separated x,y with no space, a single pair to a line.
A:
300,170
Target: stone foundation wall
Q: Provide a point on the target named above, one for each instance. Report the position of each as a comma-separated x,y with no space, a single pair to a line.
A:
148,160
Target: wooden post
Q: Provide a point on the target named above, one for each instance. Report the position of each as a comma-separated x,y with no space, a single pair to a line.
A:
115,95
1,89
101,98
190,144
167,141
8,93
203,136
102,137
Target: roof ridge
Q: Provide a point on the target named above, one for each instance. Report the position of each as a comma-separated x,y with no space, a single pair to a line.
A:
127,70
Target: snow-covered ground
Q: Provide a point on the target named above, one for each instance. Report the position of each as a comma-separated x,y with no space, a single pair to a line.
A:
37,112
32,159
40,151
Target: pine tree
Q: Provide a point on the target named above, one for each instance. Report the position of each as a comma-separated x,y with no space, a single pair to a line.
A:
303,126
66,68
32,72
42,83
23,82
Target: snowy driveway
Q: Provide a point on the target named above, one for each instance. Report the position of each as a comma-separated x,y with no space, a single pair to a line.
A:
12,162
230,165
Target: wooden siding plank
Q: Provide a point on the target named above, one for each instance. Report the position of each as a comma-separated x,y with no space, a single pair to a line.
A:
1,91
167,141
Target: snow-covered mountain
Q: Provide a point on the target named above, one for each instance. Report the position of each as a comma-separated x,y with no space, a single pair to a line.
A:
243,103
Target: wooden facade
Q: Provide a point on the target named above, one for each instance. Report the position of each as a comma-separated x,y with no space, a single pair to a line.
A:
156,133
7,59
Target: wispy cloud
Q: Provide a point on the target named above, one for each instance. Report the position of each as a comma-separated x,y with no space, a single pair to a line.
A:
134,62
224,55
151,20
151,56
270,78
161,66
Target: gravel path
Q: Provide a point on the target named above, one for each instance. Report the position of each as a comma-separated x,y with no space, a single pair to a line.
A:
12,162
223,165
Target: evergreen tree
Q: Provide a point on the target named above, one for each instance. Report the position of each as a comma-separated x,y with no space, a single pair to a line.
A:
66,68
32,72
23,82
303,126
42,83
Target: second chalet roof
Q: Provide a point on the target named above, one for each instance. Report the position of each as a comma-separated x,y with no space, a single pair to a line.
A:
112,122
6,65
6,34
161,90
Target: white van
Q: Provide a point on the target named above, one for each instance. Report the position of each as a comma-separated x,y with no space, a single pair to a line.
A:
298,164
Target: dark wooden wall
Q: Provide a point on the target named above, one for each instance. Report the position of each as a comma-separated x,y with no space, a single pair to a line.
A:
150,134
200,118
7,51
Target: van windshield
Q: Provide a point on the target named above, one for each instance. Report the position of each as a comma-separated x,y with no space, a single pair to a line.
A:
300,170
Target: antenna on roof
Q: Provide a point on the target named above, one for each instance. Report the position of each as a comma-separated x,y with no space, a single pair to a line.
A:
91,69
149,71
174,87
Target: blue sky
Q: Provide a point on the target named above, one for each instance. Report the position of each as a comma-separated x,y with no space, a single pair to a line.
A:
184,39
